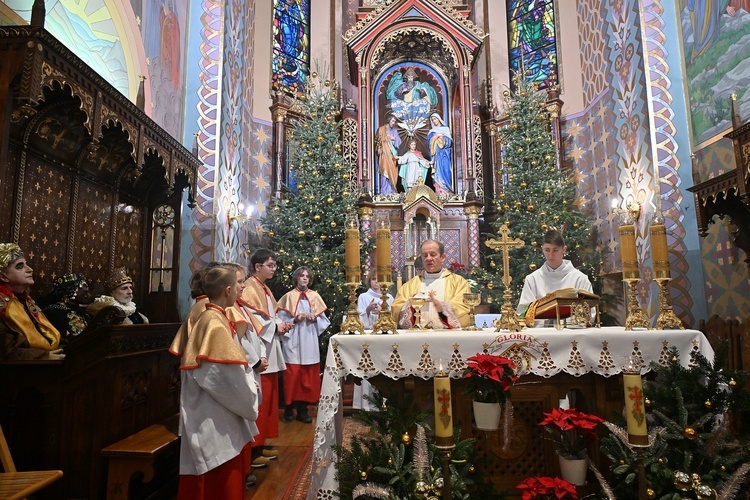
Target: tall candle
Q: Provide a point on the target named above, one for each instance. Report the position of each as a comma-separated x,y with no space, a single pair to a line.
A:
383,254
351,247
443,408
628,252
659,251
635,407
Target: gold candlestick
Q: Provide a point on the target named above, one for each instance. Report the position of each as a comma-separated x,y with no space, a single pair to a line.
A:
472,300
667,317
636,317
352,324
385,323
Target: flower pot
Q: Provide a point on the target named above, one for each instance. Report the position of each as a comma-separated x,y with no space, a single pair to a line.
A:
574,470
487,415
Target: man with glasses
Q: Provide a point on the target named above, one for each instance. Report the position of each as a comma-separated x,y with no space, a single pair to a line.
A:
262,304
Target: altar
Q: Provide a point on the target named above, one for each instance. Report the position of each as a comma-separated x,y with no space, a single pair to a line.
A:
551,363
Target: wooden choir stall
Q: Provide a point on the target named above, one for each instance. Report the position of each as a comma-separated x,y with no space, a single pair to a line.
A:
89,183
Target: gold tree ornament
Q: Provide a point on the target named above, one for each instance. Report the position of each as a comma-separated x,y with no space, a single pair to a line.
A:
362,475
406,438
690,433
732,383
532,266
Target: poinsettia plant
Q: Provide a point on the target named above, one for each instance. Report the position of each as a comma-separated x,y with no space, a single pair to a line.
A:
490,377
572,430
546,487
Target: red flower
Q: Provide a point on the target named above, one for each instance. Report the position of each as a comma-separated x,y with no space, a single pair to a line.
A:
571,429
547,487
457,266
490,377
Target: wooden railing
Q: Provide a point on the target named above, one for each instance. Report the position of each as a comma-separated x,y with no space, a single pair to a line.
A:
736,332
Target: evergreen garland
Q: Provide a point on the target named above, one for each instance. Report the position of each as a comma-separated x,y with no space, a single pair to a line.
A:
383,457
696,413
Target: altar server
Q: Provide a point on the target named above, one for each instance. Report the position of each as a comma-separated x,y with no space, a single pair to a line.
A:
218,401
307,311
555,274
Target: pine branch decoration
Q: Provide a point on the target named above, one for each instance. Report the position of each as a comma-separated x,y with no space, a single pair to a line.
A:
421,457
732,486
371,490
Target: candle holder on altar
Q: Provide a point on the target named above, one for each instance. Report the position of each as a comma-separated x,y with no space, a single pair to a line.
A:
660,258
509,320
667,317
472,300
636,318
352,324
385,323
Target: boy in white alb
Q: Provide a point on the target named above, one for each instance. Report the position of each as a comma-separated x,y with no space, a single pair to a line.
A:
218,400
555,274
306,310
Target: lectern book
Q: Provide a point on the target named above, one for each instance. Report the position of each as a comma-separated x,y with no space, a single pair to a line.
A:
547,306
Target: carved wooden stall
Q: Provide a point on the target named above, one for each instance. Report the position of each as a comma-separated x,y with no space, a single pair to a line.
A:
87,180
88,183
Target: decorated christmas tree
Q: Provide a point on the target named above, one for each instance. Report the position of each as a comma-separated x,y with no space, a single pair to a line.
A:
699,449
536,194
306,226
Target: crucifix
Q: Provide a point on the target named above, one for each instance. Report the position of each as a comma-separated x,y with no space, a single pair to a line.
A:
508,318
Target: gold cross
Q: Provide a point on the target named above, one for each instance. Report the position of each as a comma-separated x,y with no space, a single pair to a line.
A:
505,244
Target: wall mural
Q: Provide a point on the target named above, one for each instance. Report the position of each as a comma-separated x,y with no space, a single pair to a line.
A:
163,27
717,62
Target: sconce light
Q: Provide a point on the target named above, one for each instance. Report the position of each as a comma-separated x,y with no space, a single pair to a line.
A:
629,215
241,216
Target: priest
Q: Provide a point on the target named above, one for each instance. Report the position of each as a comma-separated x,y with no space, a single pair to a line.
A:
555,274
443,291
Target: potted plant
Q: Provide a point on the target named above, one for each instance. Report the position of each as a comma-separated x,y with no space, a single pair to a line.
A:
547,487
490,378
571,430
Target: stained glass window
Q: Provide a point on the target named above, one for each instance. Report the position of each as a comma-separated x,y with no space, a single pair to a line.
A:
291,44
532,40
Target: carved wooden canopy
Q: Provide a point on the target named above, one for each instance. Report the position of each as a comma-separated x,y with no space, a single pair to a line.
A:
63,109
727,194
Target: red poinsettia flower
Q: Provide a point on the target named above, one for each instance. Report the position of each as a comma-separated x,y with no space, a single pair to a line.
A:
571,430
490,377
546,487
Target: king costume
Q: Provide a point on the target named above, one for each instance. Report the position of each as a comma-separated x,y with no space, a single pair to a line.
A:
25,332
218,404
449,289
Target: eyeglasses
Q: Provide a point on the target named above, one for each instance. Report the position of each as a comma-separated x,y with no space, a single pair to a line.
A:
271,266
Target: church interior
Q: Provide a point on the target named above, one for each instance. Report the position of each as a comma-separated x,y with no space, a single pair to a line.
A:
158,136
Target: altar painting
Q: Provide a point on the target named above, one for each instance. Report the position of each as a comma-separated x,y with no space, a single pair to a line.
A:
413,139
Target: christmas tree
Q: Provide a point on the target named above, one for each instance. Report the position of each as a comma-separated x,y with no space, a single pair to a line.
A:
693,416
306,226
536,194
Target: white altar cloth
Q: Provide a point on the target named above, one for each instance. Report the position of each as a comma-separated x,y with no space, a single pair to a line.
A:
539,351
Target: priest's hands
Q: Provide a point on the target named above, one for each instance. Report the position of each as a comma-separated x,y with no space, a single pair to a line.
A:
431,299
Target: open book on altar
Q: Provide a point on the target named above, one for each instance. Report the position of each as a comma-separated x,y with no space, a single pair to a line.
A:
562,304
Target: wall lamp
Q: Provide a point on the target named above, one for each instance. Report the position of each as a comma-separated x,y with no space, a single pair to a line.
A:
240,215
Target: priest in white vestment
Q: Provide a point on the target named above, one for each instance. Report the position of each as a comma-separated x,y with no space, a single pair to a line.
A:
443,291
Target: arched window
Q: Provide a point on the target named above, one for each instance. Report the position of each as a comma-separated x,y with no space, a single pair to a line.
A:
291,44
532,40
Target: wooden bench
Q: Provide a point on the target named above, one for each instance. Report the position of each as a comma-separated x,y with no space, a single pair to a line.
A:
138,453
16,485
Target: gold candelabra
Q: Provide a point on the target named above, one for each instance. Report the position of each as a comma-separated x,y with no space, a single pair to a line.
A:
352,324
385,323
636,317
472,300
667,317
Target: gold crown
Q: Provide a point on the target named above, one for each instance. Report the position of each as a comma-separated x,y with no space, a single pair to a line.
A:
9,253
118,278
